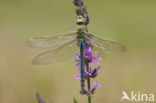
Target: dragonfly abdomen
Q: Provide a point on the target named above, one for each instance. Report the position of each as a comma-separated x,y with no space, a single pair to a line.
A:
82,65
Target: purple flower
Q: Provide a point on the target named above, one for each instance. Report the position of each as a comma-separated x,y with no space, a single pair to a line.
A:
92,73
87,20
82,11
77,60
89,56
95,85
92,57
39,98
84,8
79,12
88,52
78,2
77,76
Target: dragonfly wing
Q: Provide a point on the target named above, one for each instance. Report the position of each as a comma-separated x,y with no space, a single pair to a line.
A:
100,52
104,44
51,41
60,54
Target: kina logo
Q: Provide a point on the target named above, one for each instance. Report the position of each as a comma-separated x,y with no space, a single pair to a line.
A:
137,97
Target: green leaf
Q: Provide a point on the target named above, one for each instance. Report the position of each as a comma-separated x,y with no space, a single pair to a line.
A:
75,101
94,97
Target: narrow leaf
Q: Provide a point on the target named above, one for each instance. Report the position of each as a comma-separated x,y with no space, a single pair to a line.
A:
75,101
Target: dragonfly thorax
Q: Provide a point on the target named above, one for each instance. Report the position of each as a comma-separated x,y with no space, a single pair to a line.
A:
80,36
81,28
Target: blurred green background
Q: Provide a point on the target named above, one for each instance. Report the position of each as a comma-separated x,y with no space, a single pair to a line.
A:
131,22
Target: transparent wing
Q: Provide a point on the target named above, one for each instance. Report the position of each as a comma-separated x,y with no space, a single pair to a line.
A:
51,41
60,54
104,44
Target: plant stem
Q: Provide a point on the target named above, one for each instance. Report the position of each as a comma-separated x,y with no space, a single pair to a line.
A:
88,82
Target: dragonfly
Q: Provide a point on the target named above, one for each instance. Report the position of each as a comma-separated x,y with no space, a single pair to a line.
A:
64,46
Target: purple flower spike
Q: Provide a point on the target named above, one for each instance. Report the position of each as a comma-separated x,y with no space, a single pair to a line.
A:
94,87
87,20
89,56
79,12
84,8
78,2
39,98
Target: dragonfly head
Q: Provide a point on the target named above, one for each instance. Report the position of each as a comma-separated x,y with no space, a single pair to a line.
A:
80,19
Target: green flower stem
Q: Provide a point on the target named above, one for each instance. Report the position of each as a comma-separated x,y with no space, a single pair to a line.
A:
88,82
